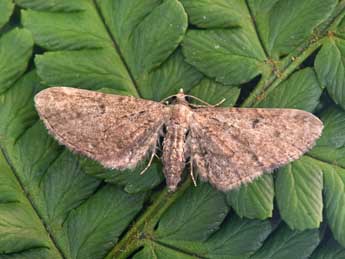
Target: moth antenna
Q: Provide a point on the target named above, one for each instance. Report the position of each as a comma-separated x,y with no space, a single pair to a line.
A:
149,164
220,102
167,98
206,103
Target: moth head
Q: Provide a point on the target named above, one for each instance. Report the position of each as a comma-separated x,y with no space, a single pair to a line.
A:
181,97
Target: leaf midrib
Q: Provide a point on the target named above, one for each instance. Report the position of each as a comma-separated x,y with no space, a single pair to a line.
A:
118,50
32,204
257,32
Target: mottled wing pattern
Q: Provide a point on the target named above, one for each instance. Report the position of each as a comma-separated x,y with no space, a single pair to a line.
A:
231,146
117,131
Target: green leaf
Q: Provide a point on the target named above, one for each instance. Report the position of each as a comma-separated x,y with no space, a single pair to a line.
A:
334,195
15,51
52,5
6,7
329,250
285,243
159,84
283,31
214,13
237,54
61,30
230,56
92,69
214,92
329,153
132,181
21,227
98,223
17,110
228,242
330,68
151,47
154,250
142,47
301,91
254,200
299,194
205,211
194,211
334,127
340,30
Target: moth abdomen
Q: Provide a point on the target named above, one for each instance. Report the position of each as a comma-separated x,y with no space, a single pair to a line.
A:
173,155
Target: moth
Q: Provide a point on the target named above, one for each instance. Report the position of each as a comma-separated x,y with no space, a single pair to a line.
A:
227,146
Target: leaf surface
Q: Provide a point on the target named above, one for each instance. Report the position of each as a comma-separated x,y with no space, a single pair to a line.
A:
299,194
274,53
282,31
15,51
301,91
329,153
237,54
254,200
330,67
206,211
285,243
329,250
335,195
229,241
6,8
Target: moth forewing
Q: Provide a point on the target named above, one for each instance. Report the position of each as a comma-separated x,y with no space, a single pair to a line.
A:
117,131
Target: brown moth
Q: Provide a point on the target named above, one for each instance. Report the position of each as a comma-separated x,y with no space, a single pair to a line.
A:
228,146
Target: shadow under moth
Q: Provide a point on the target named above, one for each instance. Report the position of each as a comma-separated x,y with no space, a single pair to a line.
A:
227,146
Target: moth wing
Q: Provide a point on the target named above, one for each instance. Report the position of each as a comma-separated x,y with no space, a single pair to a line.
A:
231,146
118,131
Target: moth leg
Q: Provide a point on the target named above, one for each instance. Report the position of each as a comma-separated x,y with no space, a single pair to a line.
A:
151,159
196,155
201,167
188,155
149,164
191,172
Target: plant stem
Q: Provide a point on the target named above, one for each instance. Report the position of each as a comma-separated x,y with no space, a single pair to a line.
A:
135,237
268,83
